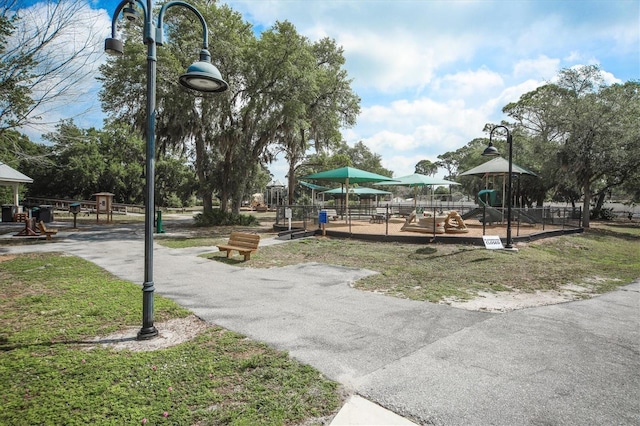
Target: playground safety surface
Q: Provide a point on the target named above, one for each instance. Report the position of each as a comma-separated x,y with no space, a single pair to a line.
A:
475,230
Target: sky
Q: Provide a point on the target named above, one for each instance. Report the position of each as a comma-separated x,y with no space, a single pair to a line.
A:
431,74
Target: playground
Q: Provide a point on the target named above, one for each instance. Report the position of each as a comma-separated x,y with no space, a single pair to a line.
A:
437,220
465,224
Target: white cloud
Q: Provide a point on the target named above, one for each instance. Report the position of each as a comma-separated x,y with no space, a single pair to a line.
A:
384,140
610,79
573,56
468,84
402,165
541,68
513,93
393,63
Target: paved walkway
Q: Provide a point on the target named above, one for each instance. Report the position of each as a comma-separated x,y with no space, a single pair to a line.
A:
571,364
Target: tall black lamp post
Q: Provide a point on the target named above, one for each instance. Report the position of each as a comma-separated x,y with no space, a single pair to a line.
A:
201,76
492,151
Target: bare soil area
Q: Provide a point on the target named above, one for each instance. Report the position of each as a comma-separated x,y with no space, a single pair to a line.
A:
170,333
506,301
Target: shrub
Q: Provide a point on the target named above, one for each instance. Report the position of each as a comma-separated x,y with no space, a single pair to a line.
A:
218,217
603,214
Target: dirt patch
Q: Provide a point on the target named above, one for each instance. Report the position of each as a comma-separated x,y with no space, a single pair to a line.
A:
170,333
506,301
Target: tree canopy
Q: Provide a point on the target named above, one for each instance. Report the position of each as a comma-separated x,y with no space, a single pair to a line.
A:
286,94
579,135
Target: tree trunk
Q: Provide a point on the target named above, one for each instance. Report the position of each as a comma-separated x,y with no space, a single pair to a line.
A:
207,203
224,199
205,192
586,203
291,182
235,206
599,203
226,176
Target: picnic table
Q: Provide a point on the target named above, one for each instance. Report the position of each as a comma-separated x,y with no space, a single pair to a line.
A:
30,229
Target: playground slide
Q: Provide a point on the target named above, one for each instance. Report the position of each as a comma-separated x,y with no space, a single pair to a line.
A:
486,198
524,217
493,214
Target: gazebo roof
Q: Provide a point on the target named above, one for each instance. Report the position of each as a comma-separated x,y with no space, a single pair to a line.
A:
9,176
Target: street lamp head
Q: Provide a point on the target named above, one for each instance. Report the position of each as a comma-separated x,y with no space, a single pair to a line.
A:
491,151
130,12
113,46
203,76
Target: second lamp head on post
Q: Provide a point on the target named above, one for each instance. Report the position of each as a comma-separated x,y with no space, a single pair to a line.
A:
201,76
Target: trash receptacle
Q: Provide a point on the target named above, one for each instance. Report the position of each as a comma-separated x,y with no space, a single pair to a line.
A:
8,211
35,213
323,217
159,228
46,213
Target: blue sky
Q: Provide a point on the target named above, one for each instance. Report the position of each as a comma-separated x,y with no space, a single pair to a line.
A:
432,73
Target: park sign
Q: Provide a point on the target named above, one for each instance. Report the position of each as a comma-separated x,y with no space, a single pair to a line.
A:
492,242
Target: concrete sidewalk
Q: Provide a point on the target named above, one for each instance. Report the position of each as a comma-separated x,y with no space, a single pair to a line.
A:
575,363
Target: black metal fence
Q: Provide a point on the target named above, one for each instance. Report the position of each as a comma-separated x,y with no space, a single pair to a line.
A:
306,217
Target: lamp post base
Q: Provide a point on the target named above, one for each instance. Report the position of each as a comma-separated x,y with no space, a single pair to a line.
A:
147,333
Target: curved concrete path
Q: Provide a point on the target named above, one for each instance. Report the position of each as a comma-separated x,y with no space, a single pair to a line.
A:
570,364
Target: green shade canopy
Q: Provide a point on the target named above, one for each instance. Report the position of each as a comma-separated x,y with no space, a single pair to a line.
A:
497,166
418,179
348,175
361,190
312,186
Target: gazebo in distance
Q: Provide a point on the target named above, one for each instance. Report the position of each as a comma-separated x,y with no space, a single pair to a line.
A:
13,178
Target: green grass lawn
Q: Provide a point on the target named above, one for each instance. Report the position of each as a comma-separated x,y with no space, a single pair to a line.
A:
598,260
51,305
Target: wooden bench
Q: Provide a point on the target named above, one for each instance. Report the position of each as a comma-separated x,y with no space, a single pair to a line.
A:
243,243
46,231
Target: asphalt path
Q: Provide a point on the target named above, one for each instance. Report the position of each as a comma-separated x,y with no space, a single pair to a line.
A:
575,363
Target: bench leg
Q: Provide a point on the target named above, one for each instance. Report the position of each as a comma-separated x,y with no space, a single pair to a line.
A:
247,256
